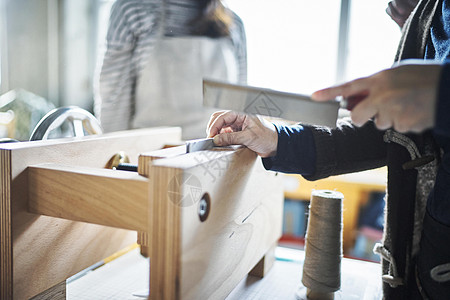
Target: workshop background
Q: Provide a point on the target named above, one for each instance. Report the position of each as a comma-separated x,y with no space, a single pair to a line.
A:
49,52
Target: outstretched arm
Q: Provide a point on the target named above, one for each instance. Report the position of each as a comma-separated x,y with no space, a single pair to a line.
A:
312,151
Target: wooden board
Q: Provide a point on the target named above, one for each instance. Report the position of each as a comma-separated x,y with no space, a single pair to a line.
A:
57,292
38,252
99,196
144,170
270,103
191,259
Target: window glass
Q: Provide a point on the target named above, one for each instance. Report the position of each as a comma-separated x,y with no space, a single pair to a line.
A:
292,44
373,38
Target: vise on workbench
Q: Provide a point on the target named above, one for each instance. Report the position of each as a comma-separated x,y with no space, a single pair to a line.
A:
205,219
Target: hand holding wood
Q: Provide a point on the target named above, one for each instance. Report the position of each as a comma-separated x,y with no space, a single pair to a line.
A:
233,128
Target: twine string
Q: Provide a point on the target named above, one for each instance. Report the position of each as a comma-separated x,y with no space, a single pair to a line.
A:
323,249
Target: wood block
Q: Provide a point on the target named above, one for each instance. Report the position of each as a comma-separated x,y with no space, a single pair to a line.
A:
99,196
142,240
38,252
265,264
144,170
194,259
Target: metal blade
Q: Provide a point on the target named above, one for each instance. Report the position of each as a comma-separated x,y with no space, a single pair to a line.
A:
253,100
199,145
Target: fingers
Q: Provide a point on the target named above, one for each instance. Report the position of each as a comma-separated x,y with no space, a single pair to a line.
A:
402,97
364,111
399,10
386,111
231,138
402,7
350,88
394,14
223,119
213,117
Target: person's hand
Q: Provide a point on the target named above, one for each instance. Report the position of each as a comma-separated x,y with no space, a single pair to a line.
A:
233,128
403,97
399,10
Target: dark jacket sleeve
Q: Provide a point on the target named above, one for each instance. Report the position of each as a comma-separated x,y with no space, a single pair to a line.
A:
316,152
295,151
347,149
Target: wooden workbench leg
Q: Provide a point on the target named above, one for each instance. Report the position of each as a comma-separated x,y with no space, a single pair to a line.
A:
142,240
57,292
265,264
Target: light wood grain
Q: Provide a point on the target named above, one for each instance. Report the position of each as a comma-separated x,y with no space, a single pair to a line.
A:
191,259
5,226
57,292
99,196
144,169
38,252
265,264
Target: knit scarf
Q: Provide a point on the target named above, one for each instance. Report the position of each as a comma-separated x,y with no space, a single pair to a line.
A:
416,31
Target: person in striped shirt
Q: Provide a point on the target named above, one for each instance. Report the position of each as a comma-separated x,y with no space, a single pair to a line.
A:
157,53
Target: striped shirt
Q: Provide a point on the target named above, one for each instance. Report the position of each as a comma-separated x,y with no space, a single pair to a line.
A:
134,28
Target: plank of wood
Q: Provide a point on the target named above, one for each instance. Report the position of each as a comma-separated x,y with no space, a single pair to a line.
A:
268,102
98,196
38,252
5,227
191,259
265,264
147,157
144,162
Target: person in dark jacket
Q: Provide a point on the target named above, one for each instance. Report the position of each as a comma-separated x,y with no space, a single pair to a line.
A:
403,123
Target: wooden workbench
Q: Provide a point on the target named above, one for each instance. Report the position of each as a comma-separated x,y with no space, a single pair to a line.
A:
207,218
39,251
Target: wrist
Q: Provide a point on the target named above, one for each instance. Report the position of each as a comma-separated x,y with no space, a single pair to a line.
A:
273,141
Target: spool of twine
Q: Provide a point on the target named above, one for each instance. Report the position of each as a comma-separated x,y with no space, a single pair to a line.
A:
323,249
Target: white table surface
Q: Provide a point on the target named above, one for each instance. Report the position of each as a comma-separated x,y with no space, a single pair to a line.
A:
127,276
